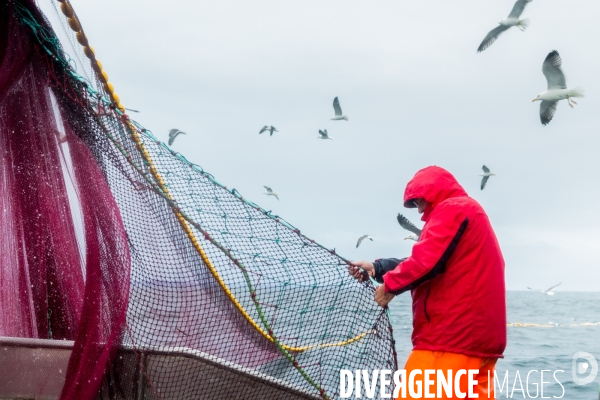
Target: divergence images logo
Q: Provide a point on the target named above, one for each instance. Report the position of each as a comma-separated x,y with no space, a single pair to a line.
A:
580,367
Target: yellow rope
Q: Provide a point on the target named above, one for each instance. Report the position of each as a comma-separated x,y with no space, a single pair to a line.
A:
191,235
339,344
210,265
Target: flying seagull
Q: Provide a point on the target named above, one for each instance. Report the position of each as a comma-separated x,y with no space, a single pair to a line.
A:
505,24
270,192
549,291
271,129
409,226
557,88
338,111
324,135
363,237
486,175
173,133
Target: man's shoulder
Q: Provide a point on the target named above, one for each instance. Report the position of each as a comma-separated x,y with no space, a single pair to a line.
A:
463,204
460,201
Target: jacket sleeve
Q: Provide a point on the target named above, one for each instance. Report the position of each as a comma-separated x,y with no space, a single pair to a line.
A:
385,265
431,253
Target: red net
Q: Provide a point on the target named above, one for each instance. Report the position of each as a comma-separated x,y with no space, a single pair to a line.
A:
51,192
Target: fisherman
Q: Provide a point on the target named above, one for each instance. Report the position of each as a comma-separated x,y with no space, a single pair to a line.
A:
456,277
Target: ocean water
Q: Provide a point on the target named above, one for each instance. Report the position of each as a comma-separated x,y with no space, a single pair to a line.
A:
561,325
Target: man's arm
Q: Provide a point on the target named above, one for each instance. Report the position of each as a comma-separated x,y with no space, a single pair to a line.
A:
361,270
375,269
384,265
431,253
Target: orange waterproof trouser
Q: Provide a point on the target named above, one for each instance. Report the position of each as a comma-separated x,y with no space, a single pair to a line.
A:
439,360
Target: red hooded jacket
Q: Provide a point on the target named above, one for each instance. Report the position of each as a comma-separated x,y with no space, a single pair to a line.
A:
455,272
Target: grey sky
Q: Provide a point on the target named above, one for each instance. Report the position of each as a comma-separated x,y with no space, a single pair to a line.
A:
417,93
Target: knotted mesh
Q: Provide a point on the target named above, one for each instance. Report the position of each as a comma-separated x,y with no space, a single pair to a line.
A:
224,299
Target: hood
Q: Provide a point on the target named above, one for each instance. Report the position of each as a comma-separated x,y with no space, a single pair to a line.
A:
434,184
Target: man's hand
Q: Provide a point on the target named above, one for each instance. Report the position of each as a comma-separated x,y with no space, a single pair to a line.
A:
381,297
354,269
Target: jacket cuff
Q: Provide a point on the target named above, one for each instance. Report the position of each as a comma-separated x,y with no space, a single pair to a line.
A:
385,265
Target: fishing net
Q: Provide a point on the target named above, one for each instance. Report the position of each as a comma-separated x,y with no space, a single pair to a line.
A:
172,285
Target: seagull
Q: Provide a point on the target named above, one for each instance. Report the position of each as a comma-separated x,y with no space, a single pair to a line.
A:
324,135
557,88
549,291
173,133
486,175
271,129
338,111
505,24
409,226
270,192
363,237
